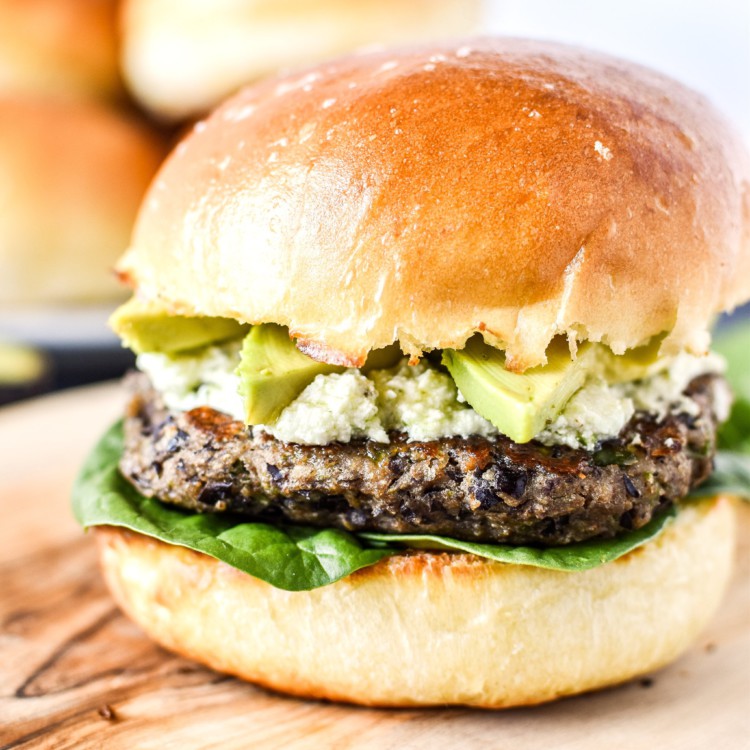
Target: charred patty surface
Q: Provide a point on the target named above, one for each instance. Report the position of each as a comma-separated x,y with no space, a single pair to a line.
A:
478,489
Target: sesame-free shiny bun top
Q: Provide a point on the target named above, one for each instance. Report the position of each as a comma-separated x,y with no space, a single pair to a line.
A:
517,188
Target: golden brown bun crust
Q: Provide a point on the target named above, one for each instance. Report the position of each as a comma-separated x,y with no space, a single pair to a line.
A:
72,175
64,47
523,189
182,57
430,628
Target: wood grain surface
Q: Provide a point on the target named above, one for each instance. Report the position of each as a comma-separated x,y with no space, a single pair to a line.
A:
74,673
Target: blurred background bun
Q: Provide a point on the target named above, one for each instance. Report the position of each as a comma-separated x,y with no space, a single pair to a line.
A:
61,47
71,178
181,57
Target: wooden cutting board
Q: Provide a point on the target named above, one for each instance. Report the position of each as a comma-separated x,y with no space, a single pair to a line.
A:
74,673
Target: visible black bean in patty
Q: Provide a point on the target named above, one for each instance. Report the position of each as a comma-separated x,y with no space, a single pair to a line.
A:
478,489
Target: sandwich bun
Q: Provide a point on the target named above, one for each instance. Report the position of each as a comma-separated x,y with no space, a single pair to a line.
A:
425,628
521,189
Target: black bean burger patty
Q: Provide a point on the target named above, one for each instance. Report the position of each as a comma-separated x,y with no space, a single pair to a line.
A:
478,489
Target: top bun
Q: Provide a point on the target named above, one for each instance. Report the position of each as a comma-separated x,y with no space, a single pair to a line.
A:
521,189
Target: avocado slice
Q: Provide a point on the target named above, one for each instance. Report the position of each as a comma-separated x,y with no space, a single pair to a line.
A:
635,364
519,405
383,359
273,372
149,327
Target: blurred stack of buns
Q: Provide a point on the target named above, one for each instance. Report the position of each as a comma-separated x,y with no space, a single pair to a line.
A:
59,47
75,160
72,174
91,93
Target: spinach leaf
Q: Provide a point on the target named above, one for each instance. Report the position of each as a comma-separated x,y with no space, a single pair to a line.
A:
570,557
731,476
732,464
295,558
733,343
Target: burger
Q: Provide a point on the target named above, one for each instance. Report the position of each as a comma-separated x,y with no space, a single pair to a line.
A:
424,395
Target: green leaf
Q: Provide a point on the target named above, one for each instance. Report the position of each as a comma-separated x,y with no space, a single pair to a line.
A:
734,434
731,476
732,463
294,558
571,557
734,345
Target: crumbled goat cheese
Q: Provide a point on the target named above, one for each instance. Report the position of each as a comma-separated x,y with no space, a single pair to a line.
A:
419,400
662,393
600,410
424,403
337,407
197,378
594,411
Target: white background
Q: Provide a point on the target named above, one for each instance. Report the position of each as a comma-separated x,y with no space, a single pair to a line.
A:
704,44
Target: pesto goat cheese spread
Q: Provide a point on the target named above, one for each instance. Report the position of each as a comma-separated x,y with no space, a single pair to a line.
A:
419,400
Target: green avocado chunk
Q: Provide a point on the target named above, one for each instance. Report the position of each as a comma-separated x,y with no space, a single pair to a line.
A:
148,327
635,364
518,404
273,372
383,359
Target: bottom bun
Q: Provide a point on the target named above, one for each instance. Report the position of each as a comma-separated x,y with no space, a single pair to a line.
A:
424,628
